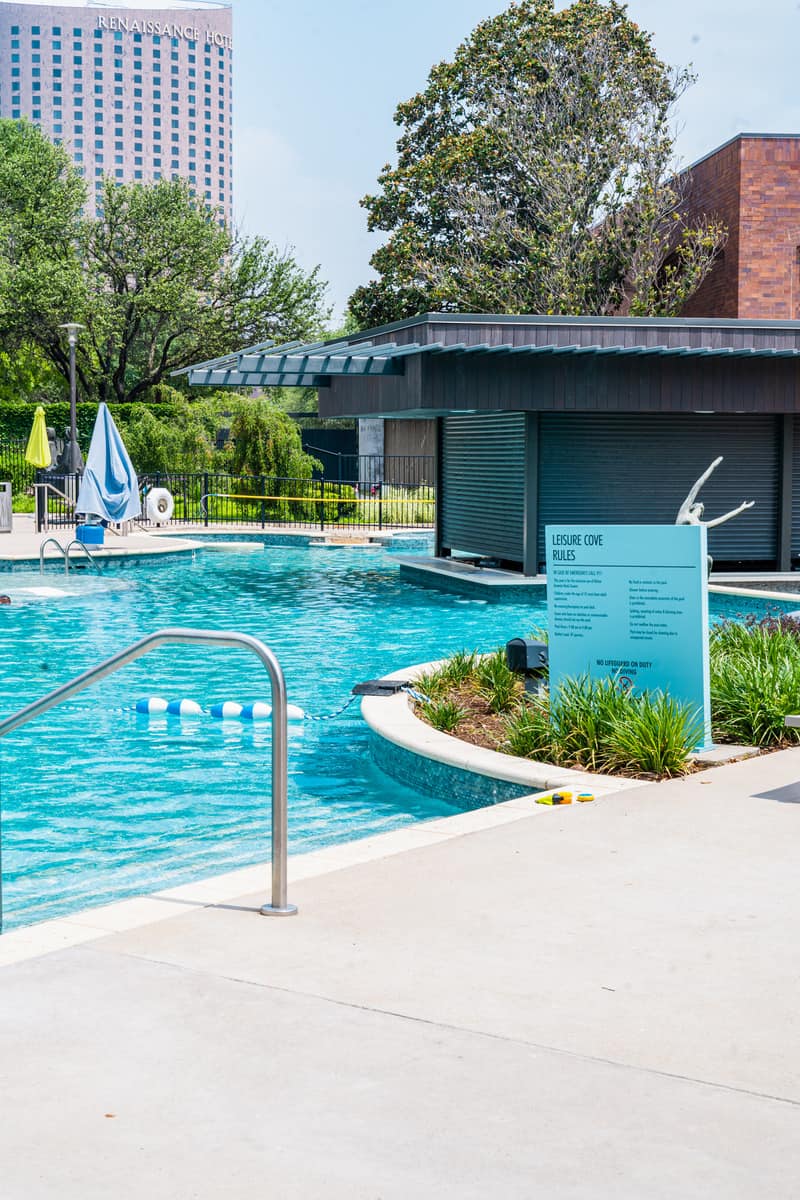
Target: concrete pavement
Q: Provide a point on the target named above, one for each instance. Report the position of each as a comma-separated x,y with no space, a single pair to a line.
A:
577,1002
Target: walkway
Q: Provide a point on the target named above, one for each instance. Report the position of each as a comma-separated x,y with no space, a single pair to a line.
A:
598,1001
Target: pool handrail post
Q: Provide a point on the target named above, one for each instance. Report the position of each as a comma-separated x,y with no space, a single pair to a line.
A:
278,905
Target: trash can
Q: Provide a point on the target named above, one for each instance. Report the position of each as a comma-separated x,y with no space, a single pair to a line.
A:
5,508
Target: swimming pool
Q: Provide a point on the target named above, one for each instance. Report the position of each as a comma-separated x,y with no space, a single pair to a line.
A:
99,803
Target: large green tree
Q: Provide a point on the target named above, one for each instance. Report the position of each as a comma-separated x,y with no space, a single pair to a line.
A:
535,174
41,198
168,284
157,279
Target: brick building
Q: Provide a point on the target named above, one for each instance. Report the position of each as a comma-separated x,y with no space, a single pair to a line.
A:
752,183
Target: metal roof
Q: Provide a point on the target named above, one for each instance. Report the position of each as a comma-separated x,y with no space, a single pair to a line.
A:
315,364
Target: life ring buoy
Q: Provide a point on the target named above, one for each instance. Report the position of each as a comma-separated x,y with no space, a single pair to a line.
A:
160,505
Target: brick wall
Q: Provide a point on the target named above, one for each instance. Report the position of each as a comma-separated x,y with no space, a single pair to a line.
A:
713,190
770,228
753,185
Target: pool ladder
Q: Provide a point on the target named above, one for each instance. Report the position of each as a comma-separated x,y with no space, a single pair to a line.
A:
65,552
278,905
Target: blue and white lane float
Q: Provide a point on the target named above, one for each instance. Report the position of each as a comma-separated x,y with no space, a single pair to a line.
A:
228,710
184,708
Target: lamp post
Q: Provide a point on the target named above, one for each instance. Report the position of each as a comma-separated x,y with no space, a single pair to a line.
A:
73,459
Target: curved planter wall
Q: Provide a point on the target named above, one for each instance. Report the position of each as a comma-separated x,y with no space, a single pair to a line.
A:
468,776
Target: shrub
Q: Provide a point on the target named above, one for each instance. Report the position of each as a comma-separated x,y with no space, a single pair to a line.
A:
443,715
595,725
460,668
496,683
755,681
655,734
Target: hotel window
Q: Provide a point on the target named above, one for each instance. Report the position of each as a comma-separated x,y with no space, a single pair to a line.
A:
157,93
117,145
137,174
36,72
176,137
98,172
98,74
37,87
137,79
137,120
118,173
137,146
118,158
56,58
137,91
15,28
98,144
57,88
15,58
98,33
137,37
15,86
15,113
37,58
57,72
98,89
37,114
138,160
78,73
78,33
137,106
175,124
117,35
118,77
206,74
15,72
156,120
117,104
117,64
79,140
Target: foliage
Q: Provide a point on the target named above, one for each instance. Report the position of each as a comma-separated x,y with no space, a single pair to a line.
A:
26,375
535,174
443,715
156,444
267,442
41,197
156,279
496,683
755,681
459,668
597,726
166,284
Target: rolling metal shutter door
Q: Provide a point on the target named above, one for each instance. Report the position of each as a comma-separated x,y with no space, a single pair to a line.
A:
796,490
483,484
629,468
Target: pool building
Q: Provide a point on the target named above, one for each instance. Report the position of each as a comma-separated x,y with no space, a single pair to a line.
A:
557,420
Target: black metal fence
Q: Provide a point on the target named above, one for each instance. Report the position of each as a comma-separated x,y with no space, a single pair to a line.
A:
262,500
384,494
14,467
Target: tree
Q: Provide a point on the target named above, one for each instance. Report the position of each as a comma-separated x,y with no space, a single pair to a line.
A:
266,441
535,174
166,284
41,198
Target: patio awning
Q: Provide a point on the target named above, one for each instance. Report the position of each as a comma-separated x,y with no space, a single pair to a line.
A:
314,364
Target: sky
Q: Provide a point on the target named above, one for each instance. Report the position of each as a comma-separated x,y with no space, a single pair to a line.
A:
316,83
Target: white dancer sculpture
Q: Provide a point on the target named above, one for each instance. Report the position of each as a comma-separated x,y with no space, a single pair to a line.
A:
691,512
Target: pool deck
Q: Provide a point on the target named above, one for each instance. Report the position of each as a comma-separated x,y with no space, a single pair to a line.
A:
23,544
570,1003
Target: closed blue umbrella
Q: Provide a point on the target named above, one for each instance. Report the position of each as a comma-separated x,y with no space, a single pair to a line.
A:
109,488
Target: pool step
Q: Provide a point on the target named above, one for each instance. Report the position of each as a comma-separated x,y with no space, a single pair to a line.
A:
337,541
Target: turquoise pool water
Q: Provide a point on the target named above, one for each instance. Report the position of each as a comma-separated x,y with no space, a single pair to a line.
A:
99,803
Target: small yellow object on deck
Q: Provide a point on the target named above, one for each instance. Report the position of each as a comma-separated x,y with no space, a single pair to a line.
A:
584,797
555,798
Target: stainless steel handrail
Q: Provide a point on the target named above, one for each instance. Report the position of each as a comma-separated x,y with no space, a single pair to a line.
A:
278,906
86,551
55,542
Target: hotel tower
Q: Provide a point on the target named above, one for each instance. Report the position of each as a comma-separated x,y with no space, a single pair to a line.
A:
133,91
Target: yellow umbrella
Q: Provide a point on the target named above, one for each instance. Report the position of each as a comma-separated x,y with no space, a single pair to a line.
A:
38,449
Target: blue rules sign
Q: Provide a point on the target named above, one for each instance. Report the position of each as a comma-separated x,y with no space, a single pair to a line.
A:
631,601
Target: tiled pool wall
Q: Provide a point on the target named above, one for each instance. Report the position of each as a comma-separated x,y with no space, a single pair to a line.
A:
465,789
